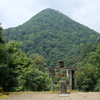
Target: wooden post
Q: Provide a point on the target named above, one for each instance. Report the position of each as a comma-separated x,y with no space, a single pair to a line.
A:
73,80
70,80
52,84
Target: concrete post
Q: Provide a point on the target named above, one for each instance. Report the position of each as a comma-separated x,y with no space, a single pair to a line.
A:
62,87
67,73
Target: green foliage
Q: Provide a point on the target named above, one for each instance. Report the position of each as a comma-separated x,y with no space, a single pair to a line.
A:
1,38
39,62
53,35
32,79
47,37
19,73
87,78
3,54
94,58
3,58
6,79
97,86
23,71
4,70
12,46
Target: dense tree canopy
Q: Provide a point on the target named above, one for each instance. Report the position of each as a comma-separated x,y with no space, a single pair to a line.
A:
53,35
18,72
88,75
47,37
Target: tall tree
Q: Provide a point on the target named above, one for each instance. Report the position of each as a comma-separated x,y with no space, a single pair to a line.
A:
88,77
1,38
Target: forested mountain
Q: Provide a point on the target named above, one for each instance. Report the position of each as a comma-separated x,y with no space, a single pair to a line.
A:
47,37
54,36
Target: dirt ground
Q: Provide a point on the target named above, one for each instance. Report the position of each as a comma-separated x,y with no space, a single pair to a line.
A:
53,96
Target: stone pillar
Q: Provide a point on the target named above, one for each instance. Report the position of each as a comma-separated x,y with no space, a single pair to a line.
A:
67,73
62,87
52,84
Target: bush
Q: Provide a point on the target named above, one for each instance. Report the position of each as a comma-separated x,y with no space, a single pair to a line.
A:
86,78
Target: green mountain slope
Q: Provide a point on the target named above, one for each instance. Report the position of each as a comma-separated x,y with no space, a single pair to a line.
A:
52,35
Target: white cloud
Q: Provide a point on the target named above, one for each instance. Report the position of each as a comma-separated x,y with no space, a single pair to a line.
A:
16,12
88,14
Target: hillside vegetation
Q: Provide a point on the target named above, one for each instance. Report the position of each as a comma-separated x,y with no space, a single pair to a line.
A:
52,35
38,43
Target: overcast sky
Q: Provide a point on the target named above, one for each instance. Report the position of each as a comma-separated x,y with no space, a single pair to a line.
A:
17,12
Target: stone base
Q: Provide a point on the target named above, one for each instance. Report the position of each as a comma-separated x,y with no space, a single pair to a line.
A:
64,95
